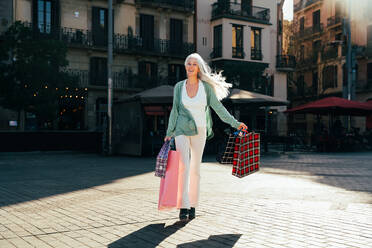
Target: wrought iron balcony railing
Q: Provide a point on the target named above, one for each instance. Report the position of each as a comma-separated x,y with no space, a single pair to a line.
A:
303,4
256,54
310,31
182,5
238,52
121,80
233,10
216,53
306,62
330,53
121,43
285,62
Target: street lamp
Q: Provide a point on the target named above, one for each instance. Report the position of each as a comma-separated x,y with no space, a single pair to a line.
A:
109,77
267,73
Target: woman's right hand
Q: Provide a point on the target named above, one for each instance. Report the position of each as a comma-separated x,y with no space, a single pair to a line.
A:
167,138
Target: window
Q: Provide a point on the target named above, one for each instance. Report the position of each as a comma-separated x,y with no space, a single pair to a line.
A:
45,15
316,49
315,83
302,53
99,26
256,51
176,35
316,21
300,86
237,41
330,77
369,41
176,73
302,24
369,74
217,41
247,7
148,74
98,71
147,31
204,41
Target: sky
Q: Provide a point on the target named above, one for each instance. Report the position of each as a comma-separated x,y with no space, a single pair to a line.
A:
288,9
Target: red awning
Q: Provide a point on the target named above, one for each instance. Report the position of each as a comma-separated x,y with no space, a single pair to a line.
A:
156,110
334,105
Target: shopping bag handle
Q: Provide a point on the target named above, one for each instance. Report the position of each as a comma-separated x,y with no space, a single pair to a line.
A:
241,130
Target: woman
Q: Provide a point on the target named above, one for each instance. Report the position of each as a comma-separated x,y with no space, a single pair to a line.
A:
190,122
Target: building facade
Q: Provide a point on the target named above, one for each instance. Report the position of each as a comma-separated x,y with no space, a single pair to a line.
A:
151,40
244,39
321,49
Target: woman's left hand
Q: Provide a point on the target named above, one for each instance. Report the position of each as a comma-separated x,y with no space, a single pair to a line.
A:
243,126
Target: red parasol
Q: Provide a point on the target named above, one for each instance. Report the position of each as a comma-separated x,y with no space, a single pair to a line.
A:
334,105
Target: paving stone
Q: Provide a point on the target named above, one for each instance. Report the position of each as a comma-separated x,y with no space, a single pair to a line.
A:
65,199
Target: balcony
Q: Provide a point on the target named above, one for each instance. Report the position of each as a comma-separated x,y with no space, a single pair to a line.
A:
241,12
81,38
216,53
333,21
180,5
304,4
238,52
123,80
330,53
156,47
285,62
256,54
306,63
310,32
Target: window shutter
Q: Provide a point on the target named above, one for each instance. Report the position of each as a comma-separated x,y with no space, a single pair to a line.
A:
92,69
56,14
95,23
154,70
138,21
369,41
184,32
34,14
156,28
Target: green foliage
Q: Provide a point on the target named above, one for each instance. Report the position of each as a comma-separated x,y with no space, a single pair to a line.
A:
31,66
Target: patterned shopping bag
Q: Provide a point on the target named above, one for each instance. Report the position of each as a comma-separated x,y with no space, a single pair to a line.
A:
246,158
226,155
162,159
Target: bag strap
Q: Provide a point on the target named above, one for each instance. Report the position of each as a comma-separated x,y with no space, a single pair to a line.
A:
241,132
164,149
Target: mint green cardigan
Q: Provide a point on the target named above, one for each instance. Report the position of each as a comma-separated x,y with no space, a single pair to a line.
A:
181,121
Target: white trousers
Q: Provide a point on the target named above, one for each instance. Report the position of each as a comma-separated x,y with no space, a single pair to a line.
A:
191,149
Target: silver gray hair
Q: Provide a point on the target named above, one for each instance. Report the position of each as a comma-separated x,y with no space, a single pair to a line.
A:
214,79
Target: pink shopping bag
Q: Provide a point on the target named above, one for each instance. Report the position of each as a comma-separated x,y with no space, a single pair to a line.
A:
169,192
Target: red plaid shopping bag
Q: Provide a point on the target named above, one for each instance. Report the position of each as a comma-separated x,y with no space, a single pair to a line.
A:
246,154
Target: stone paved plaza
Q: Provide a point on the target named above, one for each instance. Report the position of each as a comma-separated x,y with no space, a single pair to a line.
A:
67,199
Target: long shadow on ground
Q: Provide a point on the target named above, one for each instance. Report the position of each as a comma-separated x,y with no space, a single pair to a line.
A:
152,235
34,175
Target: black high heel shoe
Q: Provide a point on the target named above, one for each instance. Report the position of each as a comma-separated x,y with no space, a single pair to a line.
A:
183,214
192,213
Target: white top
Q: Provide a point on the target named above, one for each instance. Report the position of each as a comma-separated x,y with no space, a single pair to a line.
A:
196,105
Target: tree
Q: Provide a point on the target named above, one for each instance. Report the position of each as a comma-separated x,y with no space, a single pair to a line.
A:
31,72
